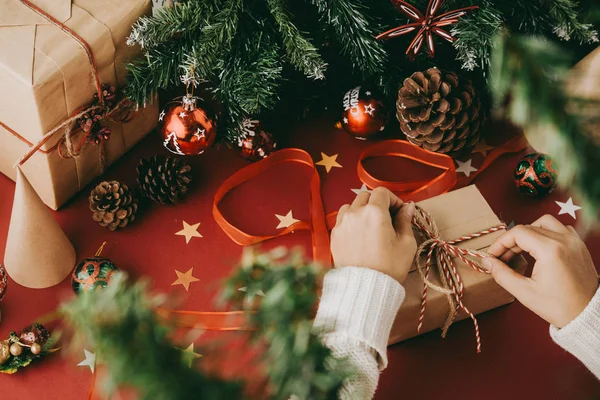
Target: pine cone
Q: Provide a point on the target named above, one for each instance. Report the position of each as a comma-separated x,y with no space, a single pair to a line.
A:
164,179
113,205
439,112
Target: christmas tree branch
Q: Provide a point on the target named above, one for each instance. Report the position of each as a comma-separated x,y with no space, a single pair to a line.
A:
526,74
300,52
119,323
564,15
355,34
298,364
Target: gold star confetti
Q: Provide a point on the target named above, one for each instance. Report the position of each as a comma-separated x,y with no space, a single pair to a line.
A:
286,220
190,355
482,147
329,162
189,231
185,279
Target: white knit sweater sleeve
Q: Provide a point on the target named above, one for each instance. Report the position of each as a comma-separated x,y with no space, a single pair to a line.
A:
355,316
581,337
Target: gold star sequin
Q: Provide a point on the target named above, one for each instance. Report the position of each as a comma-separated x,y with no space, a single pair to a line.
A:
286,220
329,162
189,231
185,278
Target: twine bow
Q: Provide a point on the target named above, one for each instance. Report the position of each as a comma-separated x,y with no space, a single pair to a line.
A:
439,252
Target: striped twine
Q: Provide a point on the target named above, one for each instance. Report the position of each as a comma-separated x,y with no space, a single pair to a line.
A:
439,253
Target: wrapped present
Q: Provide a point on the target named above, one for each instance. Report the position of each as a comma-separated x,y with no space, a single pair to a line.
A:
60,117
447,282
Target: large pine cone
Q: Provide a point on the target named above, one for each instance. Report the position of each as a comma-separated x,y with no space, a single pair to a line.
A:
164,179
439,112
113,205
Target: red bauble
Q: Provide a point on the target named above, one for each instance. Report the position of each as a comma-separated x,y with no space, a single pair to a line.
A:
255,143
3,281
364,113
187,129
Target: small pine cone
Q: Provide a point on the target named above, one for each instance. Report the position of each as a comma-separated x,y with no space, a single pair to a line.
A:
439,111
164,179
113,205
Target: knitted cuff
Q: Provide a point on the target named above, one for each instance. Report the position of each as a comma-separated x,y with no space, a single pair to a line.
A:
581,337
359,303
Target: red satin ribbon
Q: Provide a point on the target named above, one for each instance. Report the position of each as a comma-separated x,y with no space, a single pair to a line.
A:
320,224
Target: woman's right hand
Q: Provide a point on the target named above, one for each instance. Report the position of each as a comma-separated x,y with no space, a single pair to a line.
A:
564,278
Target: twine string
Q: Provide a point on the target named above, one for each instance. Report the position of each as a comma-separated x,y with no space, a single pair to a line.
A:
99,252
440,253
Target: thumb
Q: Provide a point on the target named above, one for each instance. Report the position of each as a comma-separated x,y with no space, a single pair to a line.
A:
403,220
514,283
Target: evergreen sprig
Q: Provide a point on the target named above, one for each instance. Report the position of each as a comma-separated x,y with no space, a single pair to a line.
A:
564,16
281,294
528,86
298,364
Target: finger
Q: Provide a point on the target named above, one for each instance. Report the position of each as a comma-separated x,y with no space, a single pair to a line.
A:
509,255
403,220
343,210
550,223
361,200
385,199
522,237
514,283
573,231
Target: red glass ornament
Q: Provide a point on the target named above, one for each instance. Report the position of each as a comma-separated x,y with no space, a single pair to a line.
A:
364,113
255,143
187,129
3,281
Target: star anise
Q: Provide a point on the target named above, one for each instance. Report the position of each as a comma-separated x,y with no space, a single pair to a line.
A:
427,24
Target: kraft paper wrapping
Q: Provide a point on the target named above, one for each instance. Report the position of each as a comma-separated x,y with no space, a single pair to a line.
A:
45,76
456,213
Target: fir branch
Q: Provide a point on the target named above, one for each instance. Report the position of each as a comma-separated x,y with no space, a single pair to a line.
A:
564,14
301,53
298,364
475,35
119,323
355,34
214,42
158,69
169,22
526,74
249,81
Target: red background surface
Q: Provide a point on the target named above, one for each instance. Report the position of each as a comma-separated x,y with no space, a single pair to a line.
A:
519,360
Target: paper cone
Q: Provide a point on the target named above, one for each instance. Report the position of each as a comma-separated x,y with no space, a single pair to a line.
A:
38,253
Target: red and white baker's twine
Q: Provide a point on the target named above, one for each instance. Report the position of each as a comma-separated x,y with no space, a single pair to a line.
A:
440,252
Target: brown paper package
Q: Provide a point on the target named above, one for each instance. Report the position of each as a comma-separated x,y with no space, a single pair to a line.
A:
45,76
457,213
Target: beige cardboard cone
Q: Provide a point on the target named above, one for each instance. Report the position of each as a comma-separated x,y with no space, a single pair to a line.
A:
38,253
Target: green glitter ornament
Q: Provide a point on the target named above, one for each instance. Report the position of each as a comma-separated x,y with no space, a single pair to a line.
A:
536,175
92,273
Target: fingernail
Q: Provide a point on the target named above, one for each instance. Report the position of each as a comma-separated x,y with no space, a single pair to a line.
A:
487,263
410,209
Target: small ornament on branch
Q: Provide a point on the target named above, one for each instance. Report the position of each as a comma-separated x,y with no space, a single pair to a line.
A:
536,175
440,112
364,113
254,142
18,351
164,179
113,205
93,273
427,25
186,128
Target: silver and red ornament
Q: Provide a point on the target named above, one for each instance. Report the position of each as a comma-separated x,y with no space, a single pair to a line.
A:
186,128
3,285
254,142
364,113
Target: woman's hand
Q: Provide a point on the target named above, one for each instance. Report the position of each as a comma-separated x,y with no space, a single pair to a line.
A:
564,278
375,232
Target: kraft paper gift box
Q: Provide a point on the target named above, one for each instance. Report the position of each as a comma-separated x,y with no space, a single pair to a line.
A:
457,213
46,77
